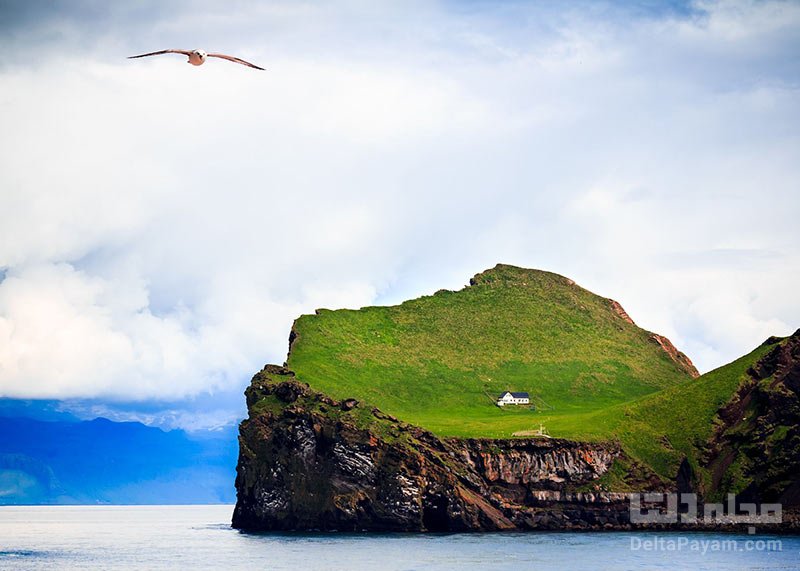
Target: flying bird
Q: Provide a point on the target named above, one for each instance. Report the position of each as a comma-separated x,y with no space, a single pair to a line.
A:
198,57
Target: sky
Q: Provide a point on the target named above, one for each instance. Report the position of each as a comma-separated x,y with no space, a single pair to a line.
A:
162,225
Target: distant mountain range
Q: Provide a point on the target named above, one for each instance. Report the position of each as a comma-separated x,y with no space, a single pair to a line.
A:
51,457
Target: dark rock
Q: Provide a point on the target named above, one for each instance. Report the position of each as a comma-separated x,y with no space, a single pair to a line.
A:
377,413
349,404
277,370
290,391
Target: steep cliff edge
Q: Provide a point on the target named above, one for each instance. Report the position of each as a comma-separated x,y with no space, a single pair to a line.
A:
308,462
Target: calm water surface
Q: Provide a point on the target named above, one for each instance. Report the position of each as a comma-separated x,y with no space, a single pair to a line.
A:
200,537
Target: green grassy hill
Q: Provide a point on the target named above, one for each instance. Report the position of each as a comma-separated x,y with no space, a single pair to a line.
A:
754,441
440,361
662,428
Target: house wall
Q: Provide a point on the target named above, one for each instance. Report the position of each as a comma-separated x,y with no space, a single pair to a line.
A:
511,400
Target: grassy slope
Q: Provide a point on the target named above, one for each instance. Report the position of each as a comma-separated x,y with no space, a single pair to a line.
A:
440,360
662,428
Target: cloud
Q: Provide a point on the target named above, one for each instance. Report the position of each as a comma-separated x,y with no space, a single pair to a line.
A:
161,225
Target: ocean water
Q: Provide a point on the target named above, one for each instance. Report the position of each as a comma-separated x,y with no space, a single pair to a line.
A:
200,537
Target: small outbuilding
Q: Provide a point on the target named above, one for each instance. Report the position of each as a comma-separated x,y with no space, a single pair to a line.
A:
513,398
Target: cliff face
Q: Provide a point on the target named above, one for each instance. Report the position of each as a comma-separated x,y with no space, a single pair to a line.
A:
679,357
308,462
755,450
540,463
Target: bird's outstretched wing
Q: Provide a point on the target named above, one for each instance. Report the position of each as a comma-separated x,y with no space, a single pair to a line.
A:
184,52
236,60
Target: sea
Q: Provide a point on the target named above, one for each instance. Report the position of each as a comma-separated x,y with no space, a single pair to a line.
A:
200,537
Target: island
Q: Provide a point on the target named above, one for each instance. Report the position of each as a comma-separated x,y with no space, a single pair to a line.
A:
387,418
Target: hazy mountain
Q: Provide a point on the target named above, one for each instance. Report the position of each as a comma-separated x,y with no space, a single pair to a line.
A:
44,460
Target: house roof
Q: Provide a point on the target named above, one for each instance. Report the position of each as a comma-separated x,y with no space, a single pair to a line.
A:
515,395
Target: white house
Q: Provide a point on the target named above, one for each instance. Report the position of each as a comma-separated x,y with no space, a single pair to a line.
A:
513,398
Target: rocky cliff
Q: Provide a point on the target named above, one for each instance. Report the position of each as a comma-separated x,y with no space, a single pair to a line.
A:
308,462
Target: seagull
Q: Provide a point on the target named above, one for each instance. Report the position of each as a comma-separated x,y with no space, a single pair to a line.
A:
198,57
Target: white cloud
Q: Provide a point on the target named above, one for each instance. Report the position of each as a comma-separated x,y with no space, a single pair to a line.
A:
161,225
